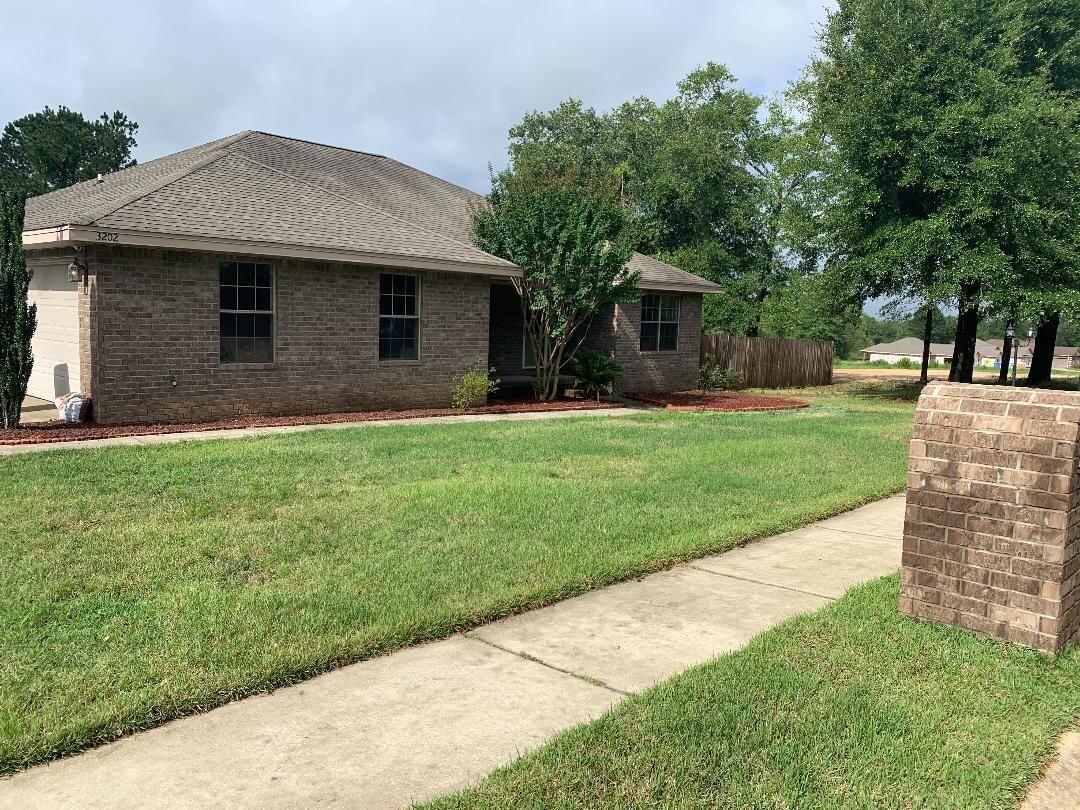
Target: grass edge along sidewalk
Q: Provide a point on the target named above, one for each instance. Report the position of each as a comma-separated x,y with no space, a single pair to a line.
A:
852,705
145,583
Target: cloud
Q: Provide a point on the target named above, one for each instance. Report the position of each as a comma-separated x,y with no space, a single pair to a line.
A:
435,84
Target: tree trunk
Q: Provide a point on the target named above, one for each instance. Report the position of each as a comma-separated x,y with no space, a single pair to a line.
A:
1006,360
754,328
1042,356
928,332
967,322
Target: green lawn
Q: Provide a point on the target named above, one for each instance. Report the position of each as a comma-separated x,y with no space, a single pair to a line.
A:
142,583
852,706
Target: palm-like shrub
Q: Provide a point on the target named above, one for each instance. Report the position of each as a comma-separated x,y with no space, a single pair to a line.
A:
594,372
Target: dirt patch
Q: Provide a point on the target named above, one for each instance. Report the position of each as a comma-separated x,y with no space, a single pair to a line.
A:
936,375
45,432
718,401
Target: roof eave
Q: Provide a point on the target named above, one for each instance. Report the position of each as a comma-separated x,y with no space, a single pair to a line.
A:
689,287
70,235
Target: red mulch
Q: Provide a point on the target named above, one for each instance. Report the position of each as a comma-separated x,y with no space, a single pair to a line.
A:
718,401
42,432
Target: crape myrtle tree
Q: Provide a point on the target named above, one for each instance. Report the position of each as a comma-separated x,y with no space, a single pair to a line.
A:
566,228
957,155
53,149
17,319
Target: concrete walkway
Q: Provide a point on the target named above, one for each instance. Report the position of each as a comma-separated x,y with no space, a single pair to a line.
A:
434,718
235,433
1059,787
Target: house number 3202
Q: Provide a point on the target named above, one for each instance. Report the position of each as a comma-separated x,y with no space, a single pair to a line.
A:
107,236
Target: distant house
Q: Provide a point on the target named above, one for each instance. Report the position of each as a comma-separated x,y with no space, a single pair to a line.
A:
1064,356
911,349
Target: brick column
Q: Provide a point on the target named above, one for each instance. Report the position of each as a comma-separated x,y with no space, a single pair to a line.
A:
992,530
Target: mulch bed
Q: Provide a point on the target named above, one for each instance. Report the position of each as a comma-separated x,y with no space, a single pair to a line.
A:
718,401
46,432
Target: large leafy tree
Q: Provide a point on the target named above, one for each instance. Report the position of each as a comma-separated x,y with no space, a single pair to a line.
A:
957,147
1044,37
786,156
53,149
17,320
567,229
681,171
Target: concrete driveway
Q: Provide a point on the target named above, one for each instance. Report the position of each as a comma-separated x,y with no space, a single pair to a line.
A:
37,410
431,719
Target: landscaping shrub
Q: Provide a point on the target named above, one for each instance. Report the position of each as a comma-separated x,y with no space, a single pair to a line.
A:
18,320
473,387
712,376
594,372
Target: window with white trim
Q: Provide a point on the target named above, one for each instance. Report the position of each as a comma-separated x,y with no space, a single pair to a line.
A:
399,317
246,312
660,323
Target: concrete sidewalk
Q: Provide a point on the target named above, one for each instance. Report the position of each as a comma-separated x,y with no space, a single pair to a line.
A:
434,718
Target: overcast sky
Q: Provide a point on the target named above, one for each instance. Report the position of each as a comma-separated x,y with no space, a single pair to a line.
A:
434,84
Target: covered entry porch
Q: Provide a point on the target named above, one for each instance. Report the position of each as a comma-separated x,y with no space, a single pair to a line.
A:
510,350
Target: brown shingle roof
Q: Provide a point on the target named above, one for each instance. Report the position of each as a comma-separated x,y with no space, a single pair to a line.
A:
268,188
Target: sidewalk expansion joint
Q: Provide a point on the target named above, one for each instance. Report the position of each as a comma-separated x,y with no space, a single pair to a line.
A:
541,662
875,535
761,582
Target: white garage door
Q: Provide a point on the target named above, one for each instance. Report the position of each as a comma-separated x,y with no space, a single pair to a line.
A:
56,341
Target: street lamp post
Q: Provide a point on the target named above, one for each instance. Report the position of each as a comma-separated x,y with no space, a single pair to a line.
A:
1010,335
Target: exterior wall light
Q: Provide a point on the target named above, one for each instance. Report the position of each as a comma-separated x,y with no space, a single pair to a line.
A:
77,270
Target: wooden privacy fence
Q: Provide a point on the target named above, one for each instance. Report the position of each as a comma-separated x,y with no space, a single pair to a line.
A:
772,362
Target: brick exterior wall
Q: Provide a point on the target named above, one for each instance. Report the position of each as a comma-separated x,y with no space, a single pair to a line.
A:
151,314
992,531
645,372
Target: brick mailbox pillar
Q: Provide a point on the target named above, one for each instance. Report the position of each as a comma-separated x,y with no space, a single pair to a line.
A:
993,513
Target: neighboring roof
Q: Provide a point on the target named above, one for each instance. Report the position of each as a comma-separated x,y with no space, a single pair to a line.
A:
273,190
1025,349
914,346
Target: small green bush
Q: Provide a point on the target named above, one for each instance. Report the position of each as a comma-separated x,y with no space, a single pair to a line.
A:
473,387
594,373
712,376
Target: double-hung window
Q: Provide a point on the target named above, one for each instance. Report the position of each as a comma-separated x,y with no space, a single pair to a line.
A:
246,304
659,323
399,317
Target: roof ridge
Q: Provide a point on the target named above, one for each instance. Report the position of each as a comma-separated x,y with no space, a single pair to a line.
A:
375,207
435,177
215,154
361,204
382,211
320,143
442,180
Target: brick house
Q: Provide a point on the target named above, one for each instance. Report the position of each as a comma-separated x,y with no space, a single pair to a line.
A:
262,274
